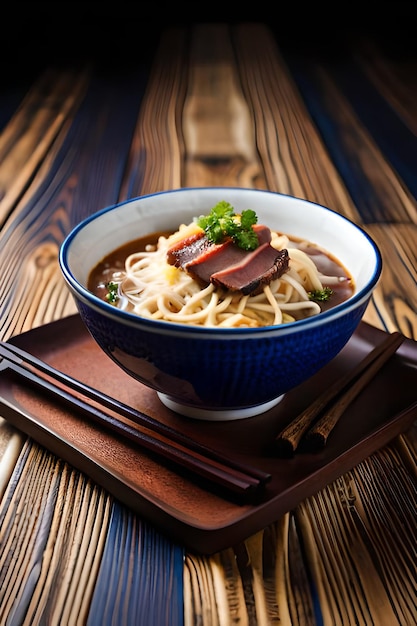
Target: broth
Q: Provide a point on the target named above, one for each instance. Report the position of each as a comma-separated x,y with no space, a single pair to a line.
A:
114,262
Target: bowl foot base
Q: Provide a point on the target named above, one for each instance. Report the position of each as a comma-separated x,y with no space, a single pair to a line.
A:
217,415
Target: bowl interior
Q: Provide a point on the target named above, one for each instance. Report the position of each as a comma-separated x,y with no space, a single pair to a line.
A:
101,233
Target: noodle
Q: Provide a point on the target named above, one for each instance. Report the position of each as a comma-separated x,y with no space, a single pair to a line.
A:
150,287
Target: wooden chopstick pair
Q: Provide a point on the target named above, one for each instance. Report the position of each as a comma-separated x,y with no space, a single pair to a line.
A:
240,479
315,424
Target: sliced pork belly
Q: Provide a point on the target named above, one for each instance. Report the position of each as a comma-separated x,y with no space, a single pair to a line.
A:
258,268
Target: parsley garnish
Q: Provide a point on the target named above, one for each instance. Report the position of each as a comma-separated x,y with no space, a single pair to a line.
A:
112,295
320,295
222,222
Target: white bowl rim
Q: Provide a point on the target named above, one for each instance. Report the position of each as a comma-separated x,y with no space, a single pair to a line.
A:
169,327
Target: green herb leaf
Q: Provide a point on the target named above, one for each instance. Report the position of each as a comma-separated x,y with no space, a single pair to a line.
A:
320,295
223,222
112,295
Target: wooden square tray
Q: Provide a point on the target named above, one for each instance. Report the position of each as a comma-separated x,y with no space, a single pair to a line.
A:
178,505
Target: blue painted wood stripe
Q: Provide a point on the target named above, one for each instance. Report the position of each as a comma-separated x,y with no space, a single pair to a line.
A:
140,580
394,138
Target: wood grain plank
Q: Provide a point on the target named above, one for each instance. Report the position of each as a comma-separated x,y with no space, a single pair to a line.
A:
394,302
37,129
123,592
157,152
71,162
386,194
293,155
366,155
359,534
394,76
50,536
218,130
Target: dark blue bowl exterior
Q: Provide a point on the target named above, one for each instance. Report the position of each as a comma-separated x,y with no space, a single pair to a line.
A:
183,368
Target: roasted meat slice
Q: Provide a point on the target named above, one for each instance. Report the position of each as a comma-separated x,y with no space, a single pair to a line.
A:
258,268
214,259
190,248
228,265
187,249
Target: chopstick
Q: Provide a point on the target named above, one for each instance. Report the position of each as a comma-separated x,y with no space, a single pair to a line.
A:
341,394
241,479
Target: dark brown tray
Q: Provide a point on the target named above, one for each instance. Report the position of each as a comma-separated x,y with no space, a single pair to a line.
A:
187,511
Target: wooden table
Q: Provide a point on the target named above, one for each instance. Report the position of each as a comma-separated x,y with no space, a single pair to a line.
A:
229,104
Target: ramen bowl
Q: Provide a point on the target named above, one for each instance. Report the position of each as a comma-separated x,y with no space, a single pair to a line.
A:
214,373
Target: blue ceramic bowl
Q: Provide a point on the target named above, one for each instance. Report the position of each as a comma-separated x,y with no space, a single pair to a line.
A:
213,373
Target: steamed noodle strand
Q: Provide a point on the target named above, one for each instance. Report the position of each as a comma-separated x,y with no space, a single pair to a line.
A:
152,288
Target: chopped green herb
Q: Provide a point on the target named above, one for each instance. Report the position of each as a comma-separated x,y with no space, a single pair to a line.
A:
320,295
112,295
223,222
